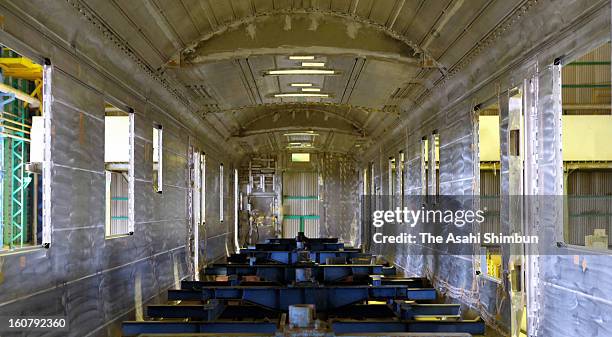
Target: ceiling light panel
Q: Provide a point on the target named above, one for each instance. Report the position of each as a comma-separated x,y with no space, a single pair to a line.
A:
301,94
311,89
301,133
301,84
300,146
301,72
313,64
301,57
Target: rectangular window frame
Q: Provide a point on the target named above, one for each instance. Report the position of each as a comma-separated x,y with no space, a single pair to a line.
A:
236,210
392,170
593,239
424,166
401,171
158,151
490,255
434,153
108,169
203,188
221,191
44,166
364,176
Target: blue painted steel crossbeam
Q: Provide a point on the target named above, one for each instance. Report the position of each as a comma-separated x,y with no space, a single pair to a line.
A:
212,310
291,257
286,273
388,281
311,246
476,327
324,298
207,311
409,310
134,328
292,241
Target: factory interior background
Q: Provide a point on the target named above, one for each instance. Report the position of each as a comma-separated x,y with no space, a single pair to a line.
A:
209,167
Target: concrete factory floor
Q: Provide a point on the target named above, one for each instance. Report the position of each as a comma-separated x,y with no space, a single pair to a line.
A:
217,166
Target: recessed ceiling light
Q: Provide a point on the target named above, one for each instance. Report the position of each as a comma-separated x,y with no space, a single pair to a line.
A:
313,64
300,94
301,145
301,84
301,57
301,72
301,133
311,89
300,157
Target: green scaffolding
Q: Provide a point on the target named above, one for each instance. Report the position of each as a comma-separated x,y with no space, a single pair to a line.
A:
16,212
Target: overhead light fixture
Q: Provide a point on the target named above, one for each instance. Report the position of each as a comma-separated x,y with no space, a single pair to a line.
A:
301,57
300,157
301,84
301,72
313,64
300,94
311,89
299,145
301,133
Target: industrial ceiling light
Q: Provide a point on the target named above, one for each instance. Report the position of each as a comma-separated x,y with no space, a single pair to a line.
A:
300,145
300,94
313,64
300,157
311,89
301,84
301,72
301,133
301,57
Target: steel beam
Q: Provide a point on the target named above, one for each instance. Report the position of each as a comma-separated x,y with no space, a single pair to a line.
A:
217,310
134,328
325,298
476,327
291,257
410,310
286,273
281,297
392,47
207,311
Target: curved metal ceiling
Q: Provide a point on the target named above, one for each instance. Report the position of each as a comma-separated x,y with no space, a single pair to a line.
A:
385,52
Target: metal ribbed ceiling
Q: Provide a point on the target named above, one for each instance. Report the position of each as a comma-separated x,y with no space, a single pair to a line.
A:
384,52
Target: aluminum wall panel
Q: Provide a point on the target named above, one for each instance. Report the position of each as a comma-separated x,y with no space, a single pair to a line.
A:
341,198
82,275
503,67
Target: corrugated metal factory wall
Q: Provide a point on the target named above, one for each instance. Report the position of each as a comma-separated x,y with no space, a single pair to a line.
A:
334,179
98,282
585,80
300,204
590,207
119,207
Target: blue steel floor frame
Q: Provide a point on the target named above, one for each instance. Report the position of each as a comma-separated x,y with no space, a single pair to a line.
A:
252,293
